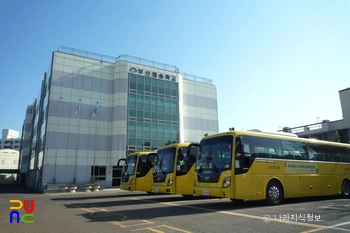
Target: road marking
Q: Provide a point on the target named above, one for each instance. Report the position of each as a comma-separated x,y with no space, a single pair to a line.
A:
318,227
125,224
158,231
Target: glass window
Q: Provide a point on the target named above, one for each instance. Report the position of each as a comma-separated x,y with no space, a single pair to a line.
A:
168,117
147,80
154,82
174,117
174,92
148,88
147,99
174,103
154,100
132,77
154,142
132,85
139,106
132,133
147,114
338,154
160,83
139,113
154,134
132,124
154,89
147,134
132,113
174,129
154,116
167,84
161,90
161,116
266,147
147,126
140,79
167,109
167,91
140,86
318,152
132,141
174,85
132,97
154,127
139,126
154,108
139,142
140,97
132,104
167,102
294,150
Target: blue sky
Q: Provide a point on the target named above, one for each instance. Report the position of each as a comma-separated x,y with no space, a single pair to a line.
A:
274,63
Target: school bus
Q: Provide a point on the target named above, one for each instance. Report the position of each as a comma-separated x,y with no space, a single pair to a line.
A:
245,165
137,171
173,172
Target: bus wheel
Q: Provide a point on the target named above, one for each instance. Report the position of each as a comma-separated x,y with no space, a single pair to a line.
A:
346,188
274,193
187,195
237,200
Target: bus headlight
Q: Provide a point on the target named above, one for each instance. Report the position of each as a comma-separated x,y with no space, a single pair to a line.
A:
131,181
170,181
227,182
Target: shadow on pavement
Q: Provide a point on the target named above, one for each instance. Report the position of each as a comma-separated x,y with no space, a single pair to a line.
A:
13,188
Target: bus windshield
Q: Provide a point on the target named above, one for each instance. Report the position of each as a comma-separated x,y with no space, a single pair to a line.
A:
129,166
165,161
215,155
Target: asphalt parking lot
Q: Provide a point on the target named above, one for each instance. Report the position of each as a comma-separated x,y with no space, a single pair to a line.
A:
122,211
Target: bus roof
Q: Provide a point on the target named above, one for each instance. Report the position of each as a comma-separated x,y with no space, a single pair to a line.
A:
276,135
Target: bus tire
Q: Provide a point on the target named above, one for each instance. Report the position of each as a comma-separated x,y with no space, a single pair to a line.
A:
346,188
187,195
274,193
237,200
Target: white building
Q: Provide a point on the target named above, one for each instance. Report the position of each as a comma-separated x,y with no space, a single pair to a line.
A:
326,129
8,165
94,109
10,140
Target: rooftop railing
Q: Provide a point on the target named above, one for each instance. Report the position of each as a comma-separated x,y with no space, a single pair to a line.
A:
129,58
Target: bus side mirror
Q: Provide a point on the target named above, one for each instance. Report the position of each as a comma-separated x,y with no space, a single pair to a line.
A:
240,148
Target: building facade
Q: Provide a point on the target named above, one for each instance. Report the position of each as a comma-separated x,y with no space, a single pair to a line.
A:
327,130
10,140
94,109
8,165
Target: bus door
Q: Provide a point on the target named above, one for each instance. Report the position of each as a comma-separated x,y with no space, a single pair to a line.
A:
186,158
144,172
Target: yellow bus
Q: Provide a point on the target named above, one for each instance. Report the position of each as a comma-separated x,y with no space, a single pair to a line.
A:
173,172
137,171
246,165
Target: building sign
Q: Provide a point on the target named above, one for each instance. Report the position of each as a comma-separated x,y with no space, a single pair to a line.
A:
301,168
153,74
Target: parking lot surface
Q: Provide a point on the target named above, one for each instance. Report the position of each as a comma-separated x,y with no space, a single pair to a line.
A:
122,211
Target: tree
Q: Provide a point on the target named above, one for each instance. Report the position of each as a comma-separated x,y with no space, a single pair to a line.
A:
336,137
